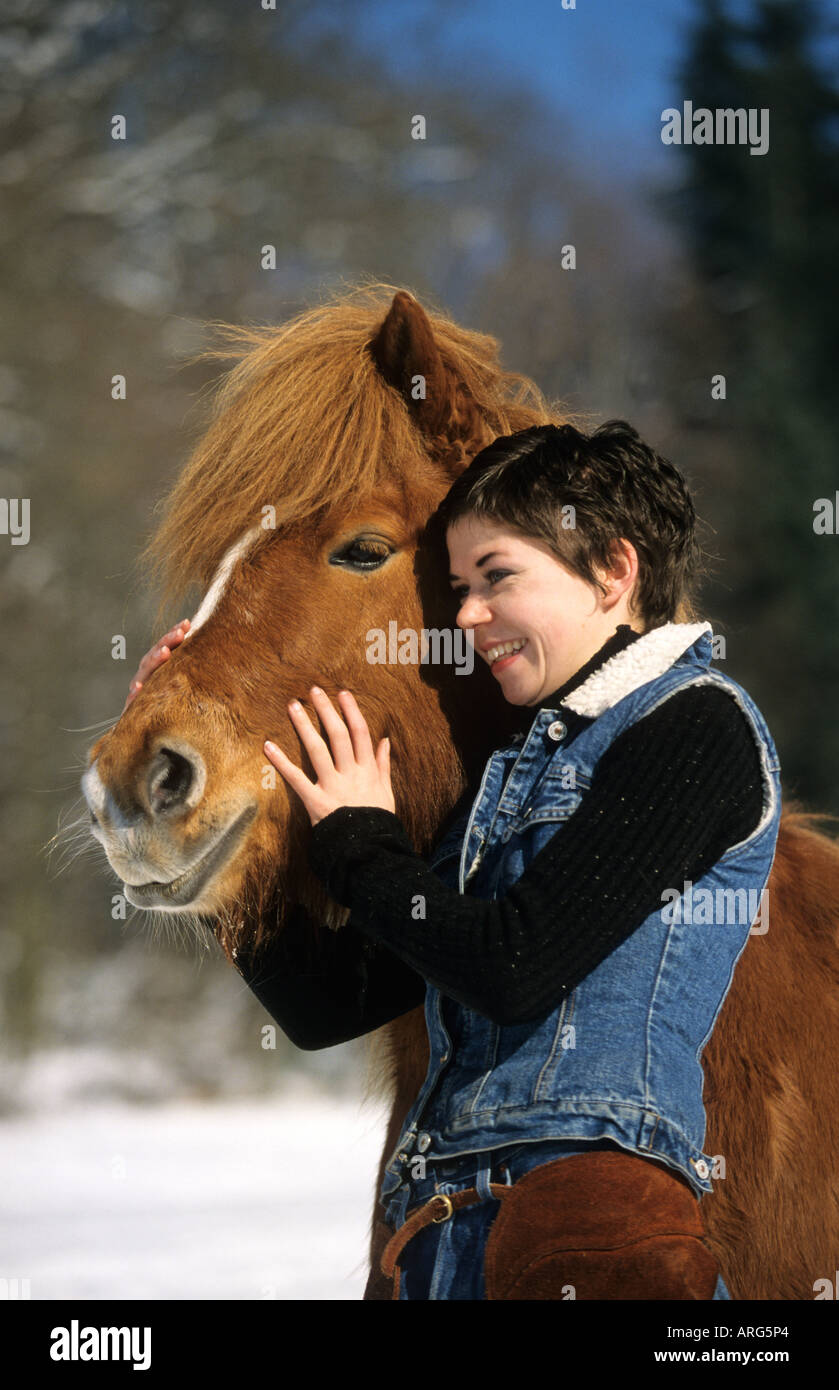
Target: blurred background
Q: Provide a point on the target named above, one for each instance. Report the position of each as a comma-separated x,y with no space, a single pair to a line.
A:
290,124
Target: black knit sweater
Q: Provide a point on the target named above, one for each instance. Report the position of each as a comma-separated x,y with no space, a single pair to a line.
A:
667,799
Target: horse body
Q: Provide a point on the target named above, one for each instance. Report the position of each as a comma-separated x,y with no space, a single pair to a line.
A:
305,509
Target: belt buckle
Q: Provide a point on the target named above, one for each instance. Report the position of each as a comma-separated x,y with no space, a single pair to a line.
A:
447,1213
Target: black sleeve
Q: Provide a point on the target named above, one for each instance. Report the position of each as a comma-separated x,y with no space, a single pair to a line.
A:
324,987
668,798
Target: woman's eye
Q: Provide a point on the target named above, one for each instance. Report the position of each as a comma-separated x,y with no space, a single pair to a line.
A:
462,592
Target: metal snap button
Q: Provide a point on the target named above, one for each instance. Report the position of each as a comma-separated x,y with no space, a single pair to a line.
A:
423,1142
557,730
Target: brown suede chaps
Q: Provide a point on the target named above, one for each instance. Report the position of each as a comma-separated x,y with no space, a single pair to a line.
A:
602,1225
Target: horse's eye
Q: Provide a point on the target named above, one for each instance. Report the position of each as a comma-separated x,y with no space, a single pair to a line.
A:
362,555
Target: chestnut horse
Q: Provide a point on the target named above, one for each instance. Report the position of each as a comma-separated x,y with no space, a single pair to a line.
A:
303,511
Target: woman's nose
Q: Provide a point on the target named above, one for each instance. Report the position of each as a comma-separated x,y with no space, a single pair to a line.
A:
473,611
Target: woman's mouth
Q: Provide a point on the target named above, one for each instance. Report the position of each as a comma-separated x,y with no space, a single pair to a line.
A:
501,655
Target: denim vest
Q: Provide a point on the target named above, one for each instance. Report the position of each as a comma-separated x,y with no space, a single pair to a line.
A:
619,1058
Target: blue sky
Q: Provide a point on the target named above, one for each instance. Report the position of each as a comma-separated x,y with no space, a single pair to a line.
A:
608,65
605,64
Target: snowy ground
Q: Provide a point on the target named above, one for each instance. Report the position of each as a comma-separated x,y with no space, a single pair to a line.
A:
250,1200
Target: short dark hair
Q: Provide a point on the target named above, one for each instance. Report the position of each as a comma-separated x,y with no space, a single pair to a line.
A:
619,488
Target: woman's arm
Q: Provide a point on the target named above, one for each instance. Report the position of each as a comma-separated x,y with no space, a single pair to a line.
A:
325,987
668,798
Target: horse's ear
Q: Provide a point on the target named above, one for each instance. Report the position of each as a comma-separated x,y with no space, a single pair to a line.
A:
406,354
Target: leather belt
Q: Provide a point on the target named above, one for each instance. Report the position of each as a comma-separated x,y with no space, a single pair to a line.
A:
436,1210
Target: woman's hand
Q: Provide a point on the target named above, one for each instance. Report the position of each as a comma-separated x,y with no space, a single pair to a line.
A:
154,657
357,777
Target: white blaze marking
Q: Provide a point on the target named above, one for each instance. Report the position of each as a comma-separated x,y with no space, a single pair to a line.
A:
211,599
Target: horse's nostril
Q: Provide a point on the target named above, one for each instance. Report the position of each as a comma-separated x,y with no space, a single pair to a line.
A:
171,776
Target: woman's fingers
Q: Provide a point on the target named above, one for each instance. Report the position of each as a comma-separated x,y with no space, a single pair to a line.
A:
151,661
339,738
155,657
312,741
161,651
293,774
351,774
383,758
175,634
357,724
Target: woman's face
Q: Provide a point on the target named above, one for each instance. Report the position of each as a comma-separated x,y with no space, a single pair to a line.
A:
513,589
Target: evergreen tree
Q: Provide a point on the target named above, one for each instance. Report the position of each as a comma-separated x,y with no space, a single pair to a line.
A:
763,236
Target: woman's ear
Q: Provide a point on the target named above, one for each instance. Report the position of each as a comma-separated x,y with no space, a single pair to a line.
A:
621,576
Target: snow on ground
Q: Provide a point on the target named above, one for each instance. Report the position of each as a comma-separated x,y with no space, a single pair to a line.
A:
211,1200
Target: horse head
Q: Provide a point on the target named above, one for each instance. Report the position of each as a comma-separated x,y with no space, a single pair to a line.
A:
307,513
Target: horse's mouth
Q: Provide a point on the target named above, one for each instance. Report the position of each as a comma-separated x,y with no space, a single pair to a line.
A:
183,890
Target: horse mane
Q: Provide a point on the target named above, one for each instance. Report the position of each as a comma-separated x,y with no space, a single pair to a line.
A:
304,421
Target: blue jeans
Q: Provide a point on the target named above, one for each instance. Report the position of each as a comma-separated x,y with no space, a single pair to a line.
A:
446,1259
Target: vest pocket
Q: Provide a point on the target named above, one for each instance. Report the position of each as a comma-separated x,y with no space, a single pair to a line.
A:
549,800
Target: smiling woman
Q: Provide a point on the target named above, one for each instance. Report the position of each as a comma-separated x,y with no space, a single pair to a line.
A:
541,938
572,634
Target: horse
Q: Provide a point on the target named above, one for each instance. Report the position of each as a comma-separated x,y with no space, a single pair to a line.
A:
305,510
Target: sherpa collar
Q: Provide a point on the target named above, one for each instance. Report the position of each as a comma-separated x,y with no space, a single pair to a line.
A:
652,655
